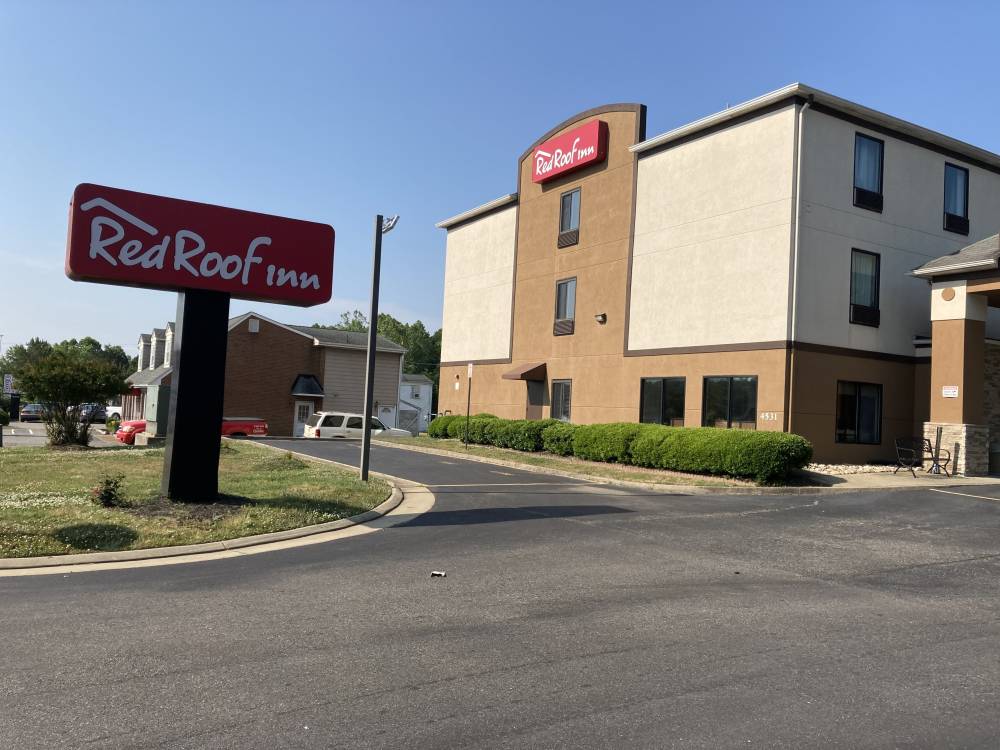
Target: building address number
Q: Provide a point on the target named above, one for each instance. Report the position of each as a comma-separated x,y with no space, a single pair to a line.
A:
769,416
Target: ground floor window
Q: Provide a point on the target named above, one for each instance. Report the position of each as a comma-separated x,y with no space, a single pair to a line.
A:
562,392
661,401
730,401
859,413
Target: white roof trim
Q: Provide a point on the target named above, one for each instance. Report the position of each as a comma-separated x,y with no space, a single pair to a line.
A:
834,102
477,211
233,322
364,348
969,265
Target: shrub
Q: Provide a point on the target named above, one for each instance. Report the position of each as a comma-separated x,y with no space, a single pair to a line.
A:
4,417
762,456
606,442
526,434
485,415
438,428
108,492
112,425
477,428
558,438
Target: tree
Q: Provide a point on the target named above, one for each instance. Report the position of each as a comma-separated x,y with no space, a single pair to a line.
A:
63,380
18,357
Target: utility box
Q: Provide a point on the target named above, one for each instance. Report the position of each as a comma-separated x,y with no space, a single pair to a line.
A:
157,410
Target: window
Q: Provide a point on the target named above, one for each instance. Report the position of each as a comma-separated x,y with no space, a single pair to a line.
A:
376,424
561,396
334,420
730,402
864,287
565,307
415,391
569,218
302,412
868,161
956,199
313,420
859,413
354,423
661,401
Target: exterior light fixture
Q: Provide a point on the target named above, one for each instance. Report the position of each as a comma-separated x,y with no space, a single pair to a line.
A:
388,224
601,318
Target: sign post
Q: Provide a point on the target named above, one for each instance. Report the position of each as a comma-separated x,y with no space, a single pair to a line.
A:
468,407
8,388
208,254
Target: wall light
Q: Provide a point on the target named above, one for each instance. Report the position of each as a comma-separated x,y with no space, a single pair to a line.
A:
601,318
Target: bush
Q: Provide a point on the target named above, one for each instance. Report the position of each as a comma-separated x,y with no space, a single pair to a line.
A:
112,425
606,442
4,418
762,456
438,428
520,434
485,415
558,438
108,492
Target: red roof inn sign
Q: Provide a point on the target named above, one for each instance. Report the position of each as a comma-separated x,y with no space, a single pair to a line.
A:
121,237
207,254
580,147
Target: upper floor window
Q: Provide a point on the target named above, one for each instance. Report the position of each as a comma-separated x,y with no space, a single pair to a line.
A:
565,307
569,218
661,401
864,287
730,402
868,161
956,199
562,394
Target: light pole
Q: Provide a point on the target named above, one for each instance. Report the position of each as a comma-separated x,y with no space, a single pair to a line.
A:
382,226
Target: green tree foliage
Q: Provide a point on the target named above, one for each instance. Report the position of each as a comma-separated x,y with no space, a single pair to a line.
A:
16,359
423,349
64,379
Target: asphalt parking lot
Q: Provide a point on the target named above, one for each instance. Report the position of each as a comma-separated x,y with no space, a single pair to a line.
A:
19,434
572,615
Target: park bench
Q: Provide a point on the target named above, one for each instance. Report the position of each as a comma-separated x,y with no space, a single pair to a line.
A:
914,451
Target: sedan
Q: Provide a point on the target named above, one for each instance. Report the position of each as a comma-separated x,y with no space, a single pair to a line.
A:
32,413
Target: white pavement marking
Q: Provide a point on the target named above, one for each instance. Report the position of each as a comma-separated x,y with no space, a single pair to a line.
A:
966,494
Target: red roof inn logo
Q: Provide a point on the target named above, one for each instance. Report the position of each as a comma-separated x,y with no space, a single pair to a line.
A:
121,237
587,144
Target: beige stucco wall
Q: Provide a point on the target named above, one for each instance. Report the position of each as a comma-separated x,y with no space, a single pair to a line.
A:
906,234
478,288
712,238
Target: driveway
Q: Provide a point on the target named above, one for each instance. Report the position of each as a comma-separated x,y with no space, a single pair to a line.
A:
572,615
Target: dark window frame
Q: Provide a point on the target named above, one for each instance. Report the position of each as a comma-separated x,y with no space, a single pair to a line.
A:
568,383
564,326
729,403
955,222
865,315
864,198
570,237
836,414
663,386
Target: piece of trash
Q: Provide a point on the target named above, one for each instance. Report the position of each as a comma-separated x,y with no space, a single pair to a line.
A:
736,572
438,574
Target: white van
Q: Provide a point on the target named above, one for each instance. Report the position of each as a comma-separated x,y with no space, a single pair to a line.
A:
334,424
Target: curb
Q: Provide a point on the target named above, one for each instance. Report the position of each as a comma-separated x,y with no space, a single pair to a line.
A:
53,561
663,489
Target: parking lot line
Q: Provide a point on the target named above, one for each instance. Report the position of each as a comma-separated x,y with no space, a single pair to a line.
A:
966,494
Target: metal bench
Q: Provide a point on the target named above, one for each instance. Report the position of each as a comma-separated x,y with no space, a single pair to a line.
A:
914,451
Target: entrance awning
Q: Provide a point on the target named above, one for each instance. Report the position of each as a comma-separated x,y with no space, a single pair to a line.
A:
534,371
308,386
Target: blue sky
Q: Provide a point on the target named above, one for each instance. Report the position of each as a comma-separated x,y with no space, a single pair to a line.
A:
336,111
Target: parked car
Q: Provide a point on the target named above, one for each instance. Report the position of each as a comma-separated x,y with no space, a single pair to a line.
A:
32,413
231,427
332,424
93,413
114,411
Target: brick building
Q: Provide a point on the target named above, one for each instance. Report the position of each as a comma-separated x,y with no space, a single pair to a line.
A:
281,373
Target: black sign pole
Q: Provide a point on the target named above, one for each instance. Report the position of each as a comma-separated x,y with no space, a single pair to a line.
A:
366,432
197,387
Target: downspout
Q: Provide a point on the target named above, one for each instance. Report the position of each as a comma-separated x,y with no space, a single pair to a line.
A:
797,210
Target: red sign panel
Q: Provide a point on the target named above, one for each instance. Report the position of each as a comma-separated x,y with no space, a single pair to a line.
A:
121,237
587,144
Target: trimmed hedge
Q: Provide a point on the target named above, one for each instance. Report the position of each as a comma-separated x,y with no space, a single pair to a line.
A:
762,456
558,438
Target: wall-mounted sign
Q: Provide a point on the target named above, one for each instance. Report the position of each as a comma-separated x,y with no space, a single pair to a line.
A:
8,384
122,237
580,147
949,391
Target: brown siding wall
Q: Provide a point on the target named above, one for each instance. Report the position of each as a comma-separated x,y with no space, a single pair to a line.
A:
344,382
260,370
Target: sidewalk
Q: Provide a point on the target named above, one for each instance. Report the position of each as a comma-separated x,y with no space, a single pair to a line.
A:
888,480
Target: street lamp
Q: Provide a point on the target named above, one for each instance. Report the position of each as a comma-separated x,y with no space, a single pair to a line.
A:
382,226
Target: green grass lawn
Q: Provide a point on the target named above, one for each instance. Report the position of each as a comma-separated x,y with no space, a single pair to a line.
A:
45,505
575,465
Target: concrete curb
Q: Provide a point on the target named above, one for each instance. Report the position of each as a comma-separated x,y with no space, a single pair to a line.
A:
50,561
664,489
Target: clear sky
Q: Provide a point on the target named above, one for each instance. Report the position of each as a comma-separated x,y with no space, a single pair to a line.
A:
337,111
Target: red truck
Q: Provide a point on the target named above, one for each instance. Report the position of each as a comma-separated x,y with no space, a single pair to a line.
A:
231,427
